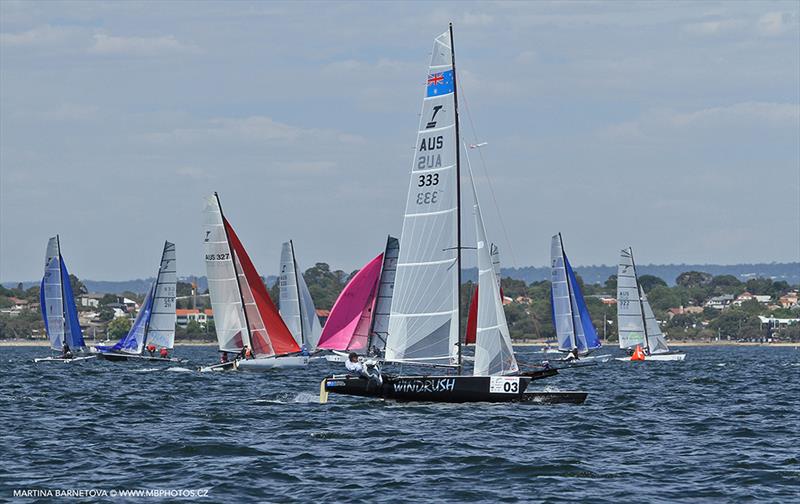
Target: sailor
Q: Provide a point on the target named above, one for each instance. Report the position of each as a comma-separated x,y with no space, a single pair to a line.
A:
246,353
572,355
151,348
164,353
304,351
66,353
223,358
354,366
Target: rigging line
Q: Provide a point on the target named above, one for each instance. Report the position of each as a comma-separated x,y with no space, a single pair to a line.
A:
488,179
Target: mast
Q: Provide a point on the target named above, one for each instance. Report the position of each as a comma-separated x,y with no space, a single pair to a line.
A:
63,296
641,304
569,293
458,194
238,286
297,288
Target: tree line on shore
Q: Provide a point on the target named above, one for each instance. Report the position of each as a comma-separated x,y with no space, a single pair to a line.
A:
527,307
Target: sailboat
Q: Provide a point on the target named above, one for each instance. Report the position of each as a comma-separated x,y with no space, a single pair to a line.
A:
246,320
636,323
571,318
58,308
296,306
424,322
359,319
154,327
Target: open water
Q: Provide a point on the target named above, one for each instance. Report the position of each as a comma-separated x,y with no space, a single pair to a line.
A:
720,427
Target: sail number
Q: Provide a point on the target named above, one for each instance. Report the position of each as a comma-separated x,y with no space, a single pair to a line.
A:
218,257
428,180
504,385
428,197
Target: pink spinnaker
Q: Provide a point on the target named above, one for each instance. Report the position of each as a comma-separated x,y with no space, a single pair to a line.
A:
348,325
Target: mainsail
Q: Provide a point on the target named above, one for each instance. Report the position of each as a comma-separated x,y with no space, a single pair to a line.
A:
630,319
296,305
571,318
243,311
423,324
58,302
161,327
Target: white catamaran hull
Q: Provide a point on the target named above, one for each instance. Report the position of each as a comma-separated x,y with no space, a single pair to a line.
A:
658,357
268,363
61,359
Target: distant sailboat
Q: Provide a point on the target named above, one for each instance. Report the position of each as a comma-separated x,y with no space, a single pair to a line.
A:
295,302
359,318
154,327
58,308
636,323
424,323
245,318
571,318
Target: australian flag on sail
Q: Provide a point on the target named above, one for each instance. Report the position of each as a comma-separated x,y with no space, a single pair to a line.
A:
440,83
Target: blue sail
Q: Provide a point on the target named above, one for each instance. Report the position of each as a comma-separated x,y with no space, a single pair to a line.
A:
134,341
590,340
72,328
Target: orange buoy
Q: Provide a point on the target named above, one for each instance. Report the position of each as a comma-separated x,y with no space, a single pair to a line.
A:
638,354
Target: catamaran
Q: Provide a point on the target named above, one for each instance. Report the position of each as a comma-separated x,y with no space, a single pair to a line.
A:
247,323
295,302
152,335
636,323
359,319
574,330
424,321
58,308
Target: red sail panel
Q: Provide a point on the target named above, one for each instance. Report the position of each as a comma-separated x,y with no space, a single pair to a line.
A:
271,336
472,319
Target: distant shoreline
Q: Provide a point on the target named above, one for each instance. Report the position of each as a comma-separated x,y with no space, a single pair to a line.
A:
528,343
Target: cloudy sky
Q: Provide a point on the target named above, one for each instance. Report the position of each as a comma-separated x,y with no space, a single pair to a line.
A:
671,127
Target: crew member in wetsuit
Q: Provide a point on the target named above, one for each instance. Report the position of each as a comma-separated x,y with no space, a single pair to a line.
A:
66,353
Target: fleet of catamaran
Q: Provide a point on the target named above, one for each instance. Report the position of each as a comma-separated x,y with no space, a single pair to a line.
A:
399,316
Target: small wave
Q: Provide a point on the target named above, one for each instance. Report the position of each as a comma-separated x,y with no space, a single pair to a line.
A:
299,398
179,370
722,364
147,370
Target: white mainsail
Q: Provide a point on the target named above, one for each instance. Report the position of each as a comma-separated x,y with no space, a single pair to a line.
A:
296,305
423,324
226,301
52,296
560,297
383,300
161,329
630,322
495,253
494,354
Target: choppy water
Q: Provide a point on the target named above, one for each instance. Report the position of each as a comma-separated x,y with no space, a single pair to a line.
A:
720,427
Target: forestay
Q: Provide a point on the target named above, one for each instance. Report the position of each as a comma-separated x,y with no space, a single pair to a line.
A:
161,328
423,324
630,322
494,354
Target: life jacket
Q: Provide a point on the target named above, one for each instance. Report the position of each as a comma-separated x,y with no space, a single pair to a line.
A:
638,354
164,352
151,348
248,353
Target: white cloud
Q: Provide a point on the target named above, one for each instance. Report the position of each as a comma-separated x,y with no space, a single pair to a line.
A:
775,23
139,46
251,129
714,27
40,36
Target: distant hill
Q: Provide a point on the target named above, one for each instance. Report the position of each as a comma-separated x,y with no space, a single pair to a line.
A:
789,272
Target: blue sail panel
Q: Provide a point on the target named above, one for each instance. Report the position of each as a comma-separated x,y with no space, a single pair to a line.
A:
72,328
134,341
590,338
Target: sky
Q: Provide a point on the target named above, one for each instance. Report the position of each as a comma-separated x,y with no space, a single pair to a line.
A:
672,127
